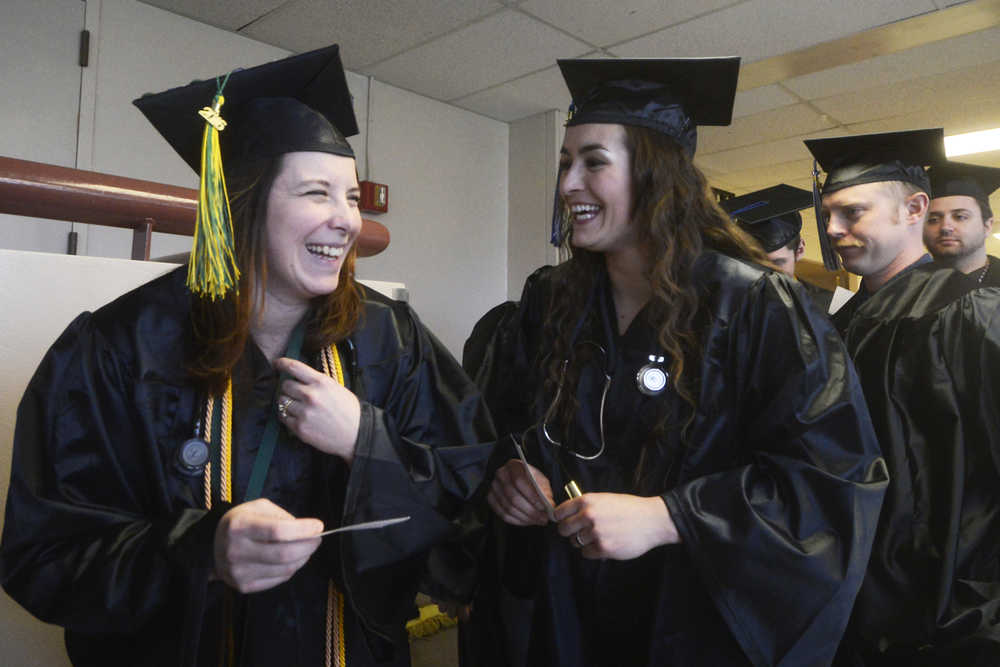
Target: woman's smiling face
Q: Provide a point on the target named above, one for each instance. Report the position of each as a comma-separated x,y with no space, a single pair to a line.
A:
595,182
312,220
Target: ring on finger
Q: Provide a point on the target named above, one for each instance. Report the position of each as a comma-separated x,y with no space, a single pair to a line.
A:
283,406
578,540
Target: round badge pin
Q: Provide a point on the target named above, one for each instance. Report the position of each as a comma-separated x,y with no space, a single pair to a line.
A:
192,456
651,378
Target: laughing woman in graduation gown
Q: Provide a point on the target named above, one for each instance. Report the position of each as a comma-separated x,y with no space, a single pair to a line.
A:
706,411
152,548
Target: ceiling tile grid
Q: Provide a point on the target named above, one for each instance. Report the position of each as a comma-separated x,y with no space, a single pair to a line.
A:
499,48
227,14
762,98
782,123
946,55
751,29
973,86
954,117
369,31
760,156
523,97
603,23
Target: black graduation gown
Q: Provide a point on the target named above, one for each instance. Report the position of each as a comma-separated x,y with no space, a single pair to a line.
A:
992,276
106,536
927,349
821,297
775,498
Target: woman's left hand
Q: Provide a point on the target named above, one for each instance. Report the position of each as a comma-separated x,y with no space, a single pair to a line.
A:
616,525
318,410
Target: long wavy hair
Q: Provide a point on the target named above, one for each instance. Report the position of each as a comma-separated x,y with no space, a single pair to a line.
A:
221,328
676,220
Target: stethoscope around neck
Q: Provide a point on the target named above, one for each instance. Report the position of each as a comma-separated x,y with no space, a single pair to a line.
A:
651,379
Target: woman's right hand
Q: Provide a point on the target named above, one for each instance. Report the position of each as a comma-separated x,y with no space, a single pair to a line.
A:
258,545
513,497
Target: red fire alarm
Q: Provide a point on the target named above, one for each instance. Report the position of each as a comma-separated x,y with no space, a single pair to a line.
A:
374,197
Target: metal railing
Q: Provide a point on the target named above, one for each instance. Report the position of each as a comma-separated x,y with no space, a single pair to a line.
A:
40,190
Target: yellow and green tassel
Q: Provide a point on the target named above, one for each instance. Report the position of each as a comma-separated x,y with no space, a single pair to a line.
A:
212,271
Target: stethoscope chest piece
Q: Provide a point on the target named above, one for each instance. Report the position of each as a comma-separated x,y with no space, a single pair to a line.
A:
192,456
652,378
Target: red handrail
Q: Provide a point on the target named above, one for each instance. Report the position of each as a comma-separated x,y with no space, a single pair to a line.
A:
48,191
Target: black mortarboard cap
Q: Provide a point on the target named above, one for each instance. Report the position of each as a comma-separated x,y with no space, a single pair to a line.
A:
970,180
669,95
874,158
871,158
299,103
770,215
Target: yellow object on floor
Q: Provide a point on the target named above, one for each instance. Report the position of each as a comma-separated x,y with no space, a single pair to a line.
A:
430,620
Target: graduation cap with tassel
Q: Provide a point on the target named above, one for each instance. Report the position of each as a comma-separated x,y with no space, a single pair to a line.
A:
299,103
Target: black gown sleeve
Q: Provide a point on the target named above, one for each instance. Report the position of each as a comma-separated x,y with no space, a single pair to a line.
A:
782,533
92,540
421,451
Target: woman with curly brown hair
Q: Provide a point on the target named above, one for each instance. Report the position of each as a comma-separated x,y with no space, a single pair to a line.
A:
691,476
180,451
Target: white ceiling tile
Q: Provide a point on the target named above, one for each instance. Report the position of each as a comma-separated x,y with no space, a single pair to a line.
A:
499,48
954,117
228,14
756,179
782,123
368,31
762,156
975,86
522,97
762,28
989,159
763,98
947,55
602,23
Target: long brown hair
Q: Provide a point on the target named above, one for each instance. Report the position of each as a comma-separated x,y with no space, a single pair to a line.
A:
676,221
221,328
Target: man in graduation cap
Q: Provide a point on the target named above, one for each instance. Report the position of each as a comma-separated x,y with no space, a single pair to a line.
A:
960,220
926,348
772,217
179,451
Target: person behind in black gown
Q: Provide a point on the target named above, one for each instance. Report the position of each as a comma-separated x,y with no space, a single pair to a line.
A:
926,344
960,220
772,217
143,514
695,423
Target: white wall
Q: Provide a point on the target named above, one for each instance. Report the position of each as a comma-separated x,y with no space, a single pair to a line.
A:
39,52
534,159
447,176
446,167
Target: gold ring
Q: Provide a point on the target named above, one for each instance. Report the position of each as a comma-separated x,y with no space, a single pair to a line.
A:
283,405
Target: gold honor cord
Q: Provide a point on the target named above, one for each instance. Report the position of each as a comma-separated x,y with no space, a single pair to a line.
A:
336,650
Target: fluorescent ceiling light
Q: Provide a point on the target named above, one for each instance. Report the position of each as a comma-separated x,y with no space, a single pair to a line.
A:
972,142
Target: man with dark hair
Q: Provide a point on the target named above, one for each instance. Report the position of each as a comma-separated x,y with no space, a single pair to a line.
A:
924,343
960,220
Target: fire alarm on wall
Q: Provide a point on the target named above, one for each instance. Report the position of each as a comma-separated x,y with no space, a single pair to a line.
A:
374,197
